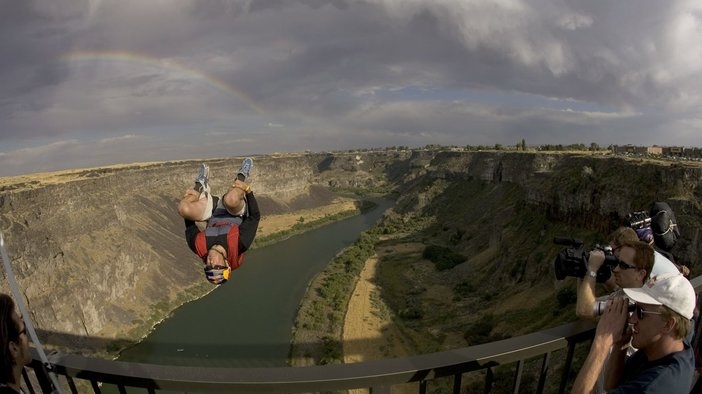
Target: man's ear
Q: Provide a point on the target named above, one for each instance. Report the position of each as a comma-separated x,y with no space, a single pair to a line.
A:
669,325
643,274
14,350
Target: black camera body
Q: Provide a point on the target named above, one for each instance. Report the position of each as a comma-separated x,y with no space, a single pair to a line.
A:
600,306
572,261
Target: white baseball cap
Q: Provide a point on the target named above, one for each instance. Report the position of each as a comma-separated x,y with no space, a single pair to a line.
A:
671,290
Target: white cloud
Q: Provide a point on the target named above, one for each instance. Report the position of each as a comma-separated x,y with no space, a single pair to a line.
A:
120,138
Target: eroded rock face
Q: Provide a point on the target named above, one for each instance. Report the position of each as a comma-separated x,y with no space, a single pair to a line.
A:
100,253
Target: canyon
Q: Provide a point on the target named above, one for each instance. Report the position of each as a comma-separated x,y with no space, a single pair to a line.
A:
100,257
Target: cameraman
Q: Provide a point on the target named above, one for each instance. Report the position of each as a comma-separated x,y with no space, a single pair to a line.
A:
623,276
626,273
664,362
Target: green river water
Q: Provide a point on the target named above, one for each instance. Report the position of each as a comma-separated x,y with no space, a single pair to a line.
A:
248,321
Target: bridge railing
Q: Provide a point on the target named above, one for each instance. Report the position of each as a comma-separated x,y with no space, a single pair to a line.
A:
452,367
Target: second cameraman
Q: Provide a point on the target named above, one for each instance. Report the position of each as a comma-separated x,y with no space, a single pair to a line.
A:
634,267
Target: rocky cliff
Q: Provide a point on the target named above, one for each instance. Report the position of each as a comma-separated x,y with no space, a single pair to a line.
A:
100,256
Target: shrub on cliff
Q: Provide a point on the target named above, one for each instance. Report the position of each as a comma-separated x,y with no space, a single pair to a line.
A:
479,331
443,258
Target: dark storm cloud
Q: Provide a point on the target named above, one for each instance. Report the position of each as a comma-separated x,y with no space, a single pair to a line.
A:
30,41
313,74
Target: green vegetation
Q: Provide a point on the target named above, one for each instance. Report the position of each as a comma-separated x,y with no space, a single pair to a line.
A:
321,314
566,296
463,289
443,257
332,351
481,330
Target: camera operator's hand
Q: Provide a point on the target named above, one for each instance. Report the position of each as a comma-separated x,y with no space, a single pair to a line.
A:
612,327
595,260
683,270
609,332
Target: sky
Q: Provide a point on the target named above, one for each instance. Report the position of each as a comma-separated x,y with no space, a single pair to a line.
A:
86,83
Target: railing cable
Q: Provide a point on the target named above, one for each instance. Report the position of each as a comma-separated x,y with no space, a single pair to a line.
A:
19,300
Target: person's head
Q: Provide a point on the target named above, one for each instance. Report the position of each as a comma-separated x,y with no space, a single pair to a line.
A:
635,263
14,344
216,267
217,255
620,236
664,307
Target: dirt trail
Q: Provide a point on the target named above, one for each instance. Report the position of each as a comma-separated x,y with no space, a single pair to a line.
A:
369,333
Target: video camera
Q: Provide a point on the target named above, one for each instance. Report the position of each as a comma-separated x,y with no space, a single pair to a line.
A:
572,261
640,221
658,226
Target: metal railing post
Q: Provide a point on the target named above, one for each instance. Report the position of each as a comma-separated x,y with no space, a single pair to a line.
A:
566,367
488,381
543,373
517,376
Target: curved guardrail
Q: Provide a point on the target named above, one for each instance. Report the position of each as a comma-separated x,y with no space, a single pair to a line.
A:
554,373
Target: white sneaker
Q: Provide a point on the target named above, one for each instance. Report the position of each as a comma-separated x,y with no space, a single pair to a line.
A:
245,169
202,183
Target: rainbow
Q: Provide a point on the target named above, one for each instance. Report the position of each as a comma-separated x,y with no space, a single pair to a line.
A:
163,64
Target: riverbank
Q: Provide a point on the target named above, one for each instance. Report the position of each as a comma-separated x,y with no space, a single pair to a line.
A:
277,227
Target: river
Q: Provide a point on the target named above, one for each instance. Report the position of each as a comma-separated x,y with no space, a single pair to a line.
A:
248,321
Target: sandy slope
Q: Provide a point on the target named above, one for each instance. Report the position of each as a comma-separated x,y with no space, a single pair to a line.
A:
369,333
271,224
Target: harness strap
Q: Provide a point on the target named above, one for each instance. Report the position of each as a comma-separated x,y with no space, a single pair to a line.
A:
217,230
670,228
671,225
19,300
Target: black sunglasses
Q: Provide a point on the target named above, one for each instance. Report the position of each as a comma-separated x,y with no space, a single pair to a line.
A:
641,312
624,266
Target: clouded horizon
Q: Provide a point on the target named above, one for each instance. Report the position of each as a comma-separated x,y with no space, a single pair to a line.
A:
90,83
